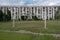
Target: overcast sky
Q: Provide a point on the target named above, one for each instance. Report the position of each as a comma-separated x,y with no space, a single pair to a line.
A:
30,2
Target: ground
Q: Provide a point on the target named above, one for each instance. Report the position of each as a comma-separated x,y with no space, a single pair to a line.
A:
34,26
19,36
53,27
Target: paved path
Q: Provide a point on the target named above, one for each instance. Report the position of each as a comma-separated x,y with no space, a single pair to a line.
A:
29,32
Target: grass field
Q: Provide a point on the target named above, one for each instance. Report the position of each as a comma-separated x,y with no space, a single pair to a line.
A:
19,36
34,26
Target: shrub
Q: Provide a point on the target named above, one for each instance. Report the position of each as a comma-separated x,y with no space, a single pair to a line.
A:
24,17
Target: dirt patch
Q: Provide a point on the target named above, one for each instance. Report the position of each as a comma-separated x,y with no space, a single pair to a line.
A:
30,26
57,35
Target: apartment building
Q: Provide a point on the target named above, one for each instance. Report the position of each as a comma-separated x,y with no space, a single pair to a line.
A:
39,11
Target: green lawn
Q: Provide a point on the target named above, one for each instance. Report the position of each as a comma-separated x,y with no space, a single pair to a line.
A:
19,36
34,26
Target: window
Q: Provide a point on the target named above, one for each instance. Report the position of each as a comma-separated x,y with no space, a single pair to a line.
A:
49,13
43,10
24,8
16,17
38,15
13,10
54,10
43,7
24,14
16,13
35,9
38,10
49,10
49,7
12,13
54,7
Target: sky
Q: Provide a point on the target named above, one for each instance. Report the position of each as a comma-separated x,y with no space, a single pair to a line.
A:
30,2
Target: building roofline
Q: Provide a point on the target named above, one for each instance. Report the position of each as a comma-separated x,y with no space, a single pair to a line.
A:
24,6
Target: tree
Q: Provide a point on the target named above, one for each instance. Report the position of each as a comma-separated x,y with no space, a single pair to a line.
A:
8,15
35,18
24,17
1,15
4,17
57,14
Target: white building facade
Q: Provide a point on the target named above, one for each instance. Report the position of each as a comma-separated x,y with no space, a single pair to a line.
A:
29,11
